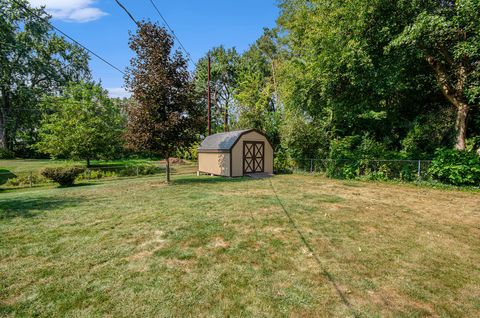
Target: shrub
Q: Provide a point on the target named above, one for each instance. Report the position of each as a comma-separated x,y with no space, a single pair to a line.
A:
407,173
456,167
6,154
375,172
282,162
344,158
96,174
188,153
357,157
64,176
25,181
149,170
140,170
343,169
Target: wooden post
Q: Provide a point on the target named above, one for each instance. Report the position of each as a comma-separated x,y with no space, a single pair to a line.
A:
209,97
168,169
419,171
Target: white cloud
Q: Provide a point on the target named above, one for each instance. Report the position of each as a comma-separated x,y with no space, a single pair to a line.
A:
118,92
71,10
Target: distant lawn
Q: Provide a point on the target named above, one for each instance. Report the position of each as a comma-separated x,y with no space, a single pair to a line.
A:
208,246
23,167
28,165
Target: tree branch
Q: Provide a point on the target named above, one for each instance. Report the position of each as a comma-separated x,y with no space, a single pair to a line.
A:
442,79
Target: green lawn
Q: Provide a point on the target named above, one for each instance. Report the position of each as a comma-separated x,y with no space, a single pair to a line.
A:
205,246
24,168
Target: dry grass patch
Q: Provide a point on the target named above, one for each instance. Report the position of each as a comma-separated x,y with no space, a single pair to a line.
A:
216,247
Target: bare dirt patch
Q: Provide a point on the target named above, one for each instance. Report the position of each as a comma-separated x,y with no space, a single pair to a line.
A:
219,242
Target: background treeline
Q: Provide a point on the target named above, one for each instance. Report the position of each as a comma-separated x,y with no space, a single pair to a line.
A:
383,79
335,79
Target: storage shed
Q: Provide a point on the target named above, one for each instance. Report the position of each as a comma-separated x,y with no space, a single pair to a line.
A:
236,153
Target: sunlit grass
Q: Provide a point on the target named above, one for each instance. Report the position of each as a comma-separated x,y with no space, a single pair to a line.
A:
207,246
30,169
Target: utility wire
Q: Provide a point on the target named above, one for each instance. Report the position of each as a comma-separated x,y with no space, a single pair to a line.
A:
67,36
127,12
171,30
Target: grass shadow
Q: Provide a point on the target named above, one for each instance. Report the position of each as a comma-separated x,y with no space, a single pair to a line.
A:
28,207
209,180
5,175
341,294
79,185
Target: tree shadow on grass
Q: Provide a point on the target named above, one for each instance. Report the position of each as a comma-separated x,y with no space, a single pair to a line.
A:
5,175
209,180
79,185
29,207
322,265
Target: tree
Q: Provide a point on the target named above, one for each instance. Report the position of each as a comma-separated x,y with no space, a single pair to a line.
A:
33,62
224,67
447,35
166,116
360,66
83,123
256,91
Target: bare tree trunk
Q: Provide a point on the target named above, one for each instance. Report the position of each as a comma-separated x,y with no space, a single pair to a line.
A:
88,162
277,100
461,126
3,120
453,93
3,129
225,118
167,159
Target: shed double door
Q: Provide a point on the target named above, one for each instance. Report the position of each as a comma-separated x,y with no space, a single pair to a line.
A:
253,156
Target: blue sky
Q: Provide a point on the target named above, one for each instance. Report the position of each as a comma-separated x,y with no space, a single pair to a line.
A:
103,27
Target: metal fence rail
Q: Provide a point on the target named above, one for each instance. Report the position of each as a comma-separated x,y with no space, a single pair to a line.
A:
407,170
375,169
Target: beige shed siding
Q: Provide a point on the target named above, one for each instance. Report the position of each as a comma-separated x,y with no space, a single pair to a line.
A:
237,153
214,163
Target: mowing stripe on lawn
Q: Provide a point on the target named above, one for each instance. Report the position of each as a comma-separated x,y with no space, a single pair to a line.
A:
320,263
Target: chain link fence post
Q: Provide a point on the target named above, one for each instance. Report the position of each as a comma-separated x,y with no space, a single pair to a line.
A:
419,170
311,165
30,179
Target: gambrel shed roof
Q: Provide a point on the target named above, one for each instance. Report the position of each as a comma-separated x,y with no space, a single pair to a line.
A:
222,142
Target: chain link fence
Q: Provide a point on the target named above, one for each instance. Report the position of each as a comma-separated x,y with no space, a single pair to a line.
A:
372,169
406,170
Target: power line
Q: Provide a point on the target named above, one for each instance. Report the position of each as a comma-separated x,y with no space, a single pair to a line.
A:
67,36
171,30
127,12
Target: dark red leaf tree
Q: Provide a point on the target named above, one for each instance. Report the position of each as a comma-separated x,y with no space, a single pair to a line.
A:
165,114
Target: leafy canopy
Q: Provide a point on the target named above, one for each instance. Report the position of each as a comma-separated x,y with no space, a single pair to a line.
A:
34,61
82,123
166,116
224,80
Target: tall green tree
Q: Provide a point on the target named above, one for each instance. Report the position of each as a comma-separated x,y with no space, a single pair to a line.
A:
358,65
256,94
33,62
224,68
446,34
82,123
166,116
